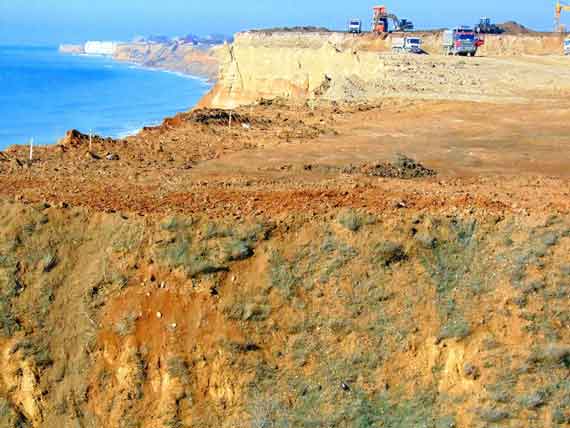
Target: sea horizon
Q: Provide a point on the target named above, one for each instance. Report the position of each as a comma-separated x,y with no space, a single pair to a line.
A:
46,93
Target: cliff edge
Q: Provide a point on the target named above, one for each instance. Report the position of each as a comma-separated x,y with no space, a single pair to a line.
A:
183,58
343,67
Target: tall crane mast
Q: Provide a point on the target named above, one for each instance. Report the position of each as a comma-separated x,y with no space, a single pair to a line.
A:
559,8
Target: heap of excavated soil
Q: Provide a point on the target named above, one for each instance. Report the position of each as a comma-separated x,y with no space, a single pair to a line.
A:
512,27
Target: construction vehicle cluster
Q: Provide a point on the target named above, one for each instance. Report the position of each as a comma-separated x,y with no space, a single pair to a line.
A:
459,41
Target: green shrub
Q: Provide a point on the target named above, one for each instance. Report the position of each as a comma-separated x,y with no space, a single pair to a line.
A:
339,255
534,400
454,329
177,253
9,324
247,311
178,369
213,230
388,253
236,250
194,262
282,275
36,350
127,238
49,262
384,411
175,223
493,415
353,221
10,417
126,325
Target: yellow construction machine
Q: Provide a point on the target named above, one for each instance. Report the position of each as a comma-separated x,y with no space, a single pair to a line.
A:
559,8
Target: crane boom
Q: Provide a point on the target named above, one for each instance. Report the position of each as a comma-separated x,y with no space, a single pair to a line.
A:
559,8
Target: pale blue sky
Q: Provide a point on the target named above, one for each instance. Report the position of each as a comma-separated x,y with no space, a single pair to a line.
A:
55,21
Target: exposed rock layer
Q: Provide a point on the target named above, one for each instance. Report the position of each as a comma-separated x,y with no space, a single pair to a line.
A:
184,58
342,67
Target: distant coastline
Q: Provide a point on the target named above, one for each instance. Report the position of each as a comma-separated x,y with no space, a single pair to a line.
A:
97,94
197,60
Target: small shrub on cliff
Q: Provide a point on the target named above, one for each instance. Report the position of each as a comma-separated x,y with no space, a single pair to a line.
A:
48,262
213,230
242,311
534,400
237,250
36,350
5,261
176,223
127,238
339,254
389,253
194,261
10,286
354,221
282,275
178,369
10,417
454,328
178,253
126,325
493,415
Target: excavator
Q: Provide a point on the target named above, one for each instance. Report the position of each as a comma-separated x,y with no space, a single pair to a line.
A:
559,8
381,19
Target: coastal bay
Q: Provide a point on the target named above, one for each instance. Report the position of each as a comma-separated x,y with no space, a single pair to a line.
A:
46,93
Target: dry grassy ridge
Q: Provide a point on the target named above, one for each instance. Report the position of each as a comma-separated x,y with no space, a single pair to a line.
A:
396,264
350,319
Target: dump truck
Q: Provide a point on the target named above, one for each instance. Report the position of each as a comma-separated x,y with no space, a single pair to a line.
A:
407,45
460,41
567,46
355,26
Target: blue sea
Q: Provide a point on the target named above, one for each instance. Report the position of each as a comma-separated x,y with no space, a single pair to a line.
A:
44,93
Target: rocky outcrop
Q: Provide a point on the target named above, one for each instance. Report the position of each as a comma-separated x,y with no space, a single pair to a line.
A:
341,67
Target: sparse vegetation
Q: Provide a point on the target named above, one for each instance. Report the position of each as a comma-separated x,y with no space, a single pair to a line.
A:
49,261
36,349
209,249
178,369
175,224
354,221
341,308
493,415
388,253
457,267
237,250
283,275
126,325
10,417
246,311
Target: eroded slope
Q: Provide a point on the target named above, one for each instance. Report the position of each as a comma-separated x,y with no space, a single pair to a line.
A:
351,318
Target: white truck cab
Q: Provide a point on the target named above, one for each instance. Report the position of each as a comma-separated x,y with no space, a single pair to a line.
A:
355,26
407,45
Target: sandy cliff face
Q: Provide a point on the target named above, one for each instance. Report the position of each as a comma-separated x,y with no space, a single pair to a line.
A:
184,58
405,319
341,67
